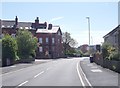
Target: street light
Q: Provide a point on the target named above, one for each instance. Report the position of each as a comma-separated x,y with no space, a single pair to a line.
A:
88,18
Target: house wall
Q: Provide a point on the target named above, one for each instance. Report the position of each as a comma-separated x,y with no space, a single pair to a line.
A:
55,50
113,38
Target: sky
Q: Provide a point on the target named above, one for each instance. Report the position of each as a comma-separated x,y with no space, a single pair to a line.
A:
70,16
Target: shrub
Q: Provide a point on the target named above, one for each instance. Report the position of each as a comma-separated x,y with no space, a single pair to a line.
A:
105,50
109,52
27,44
114,56
9,48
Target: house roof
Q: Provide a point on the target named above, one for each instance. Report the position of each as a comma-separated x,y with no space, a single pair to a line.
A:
21,25
53,30
113,31
11,23
40,25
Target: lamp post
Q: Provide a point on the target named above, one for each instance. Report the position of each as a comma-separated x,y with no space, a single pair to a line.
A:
88,18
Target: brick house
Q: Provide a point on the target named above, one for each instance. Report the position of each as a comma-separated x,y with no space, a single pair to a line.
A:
50,42
113,37
84,48
49,36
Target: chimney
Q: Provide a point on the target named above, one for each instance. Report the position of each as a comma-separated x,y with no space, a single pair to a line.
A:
16,21
50,26
37,20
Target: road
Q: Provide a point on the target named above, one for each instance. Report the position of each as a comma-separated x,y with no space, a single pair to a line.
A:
61,72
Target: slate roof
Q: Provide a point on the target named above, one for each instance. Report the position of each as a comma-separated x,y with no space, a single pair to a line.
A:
53,30
113,31
21,25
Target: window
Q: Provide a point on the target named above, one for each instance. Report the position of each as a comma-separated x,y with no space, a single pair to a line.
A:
46,40
53,40
40,40
40,49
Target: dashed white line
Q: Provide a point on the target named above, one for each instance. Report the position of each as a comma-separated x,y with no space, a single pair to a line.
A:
38,74
23,83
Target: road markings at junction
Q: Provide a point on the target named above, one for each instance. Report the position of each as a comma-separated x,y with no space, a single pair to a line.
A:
23,83
96,70
38,74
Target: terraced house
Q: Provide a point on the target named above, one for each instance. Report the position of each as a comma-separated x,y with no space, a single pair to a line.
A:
49,36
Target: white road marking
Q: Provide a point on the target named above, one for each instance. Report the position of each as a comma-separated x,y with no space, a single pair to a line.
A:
80,76
85,77
23,83
96,70
38,74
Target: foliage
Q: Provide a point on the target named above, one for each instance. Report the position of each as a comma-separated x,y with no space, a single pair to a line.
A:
105,52
68,43
67,39
9,48
27,44
109,52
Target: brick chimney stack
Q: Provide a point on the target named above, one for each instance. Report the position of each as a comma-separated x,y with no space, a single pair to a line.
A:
50,26
16,21
37,20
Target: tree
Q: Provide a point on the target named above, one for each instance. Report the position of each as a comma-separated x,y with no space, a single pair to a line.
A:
68,40
9,49
68,43
27,44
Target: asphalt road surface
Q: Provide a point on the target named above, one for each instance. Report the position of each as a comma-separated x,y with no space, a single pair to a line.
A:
61,72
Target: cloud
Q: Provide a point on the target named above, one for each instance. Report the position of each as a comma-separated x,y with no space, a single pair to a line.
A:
56,18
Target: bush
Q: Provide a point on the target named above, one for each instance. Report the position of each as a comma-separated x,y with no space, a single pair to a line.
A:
9,49
105,50
114,56
27,44
109,52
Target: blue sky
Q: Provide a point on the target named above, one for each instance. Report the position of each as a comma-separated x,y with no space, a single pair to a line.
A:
70,16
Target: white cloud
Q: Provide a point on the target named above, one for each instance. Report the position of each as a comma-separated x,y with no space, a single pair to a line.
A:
56,18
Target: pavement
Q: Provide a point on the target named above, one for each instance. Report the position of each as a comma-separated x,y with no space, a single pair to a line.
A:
22,65
99,76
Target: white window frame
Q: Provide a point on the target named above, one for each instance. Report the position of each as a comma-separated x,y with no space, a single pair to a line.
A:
53,40
40,40
47,39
